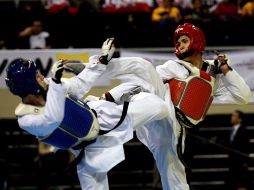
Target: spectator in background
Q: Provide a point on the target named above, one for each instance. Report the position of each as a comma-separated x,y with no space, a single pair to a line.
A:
89,13
197,12
183,4
49,161
248,9
226,10
110,6
166,13
2,42
238,164
56,6
38,39
165,18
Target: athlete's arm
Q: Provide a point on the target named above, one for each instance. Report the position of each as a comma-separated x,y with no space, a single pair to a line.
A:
45,123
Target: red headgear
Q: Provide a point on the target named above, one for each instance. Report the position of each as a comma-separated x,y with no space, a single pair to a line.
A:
195,34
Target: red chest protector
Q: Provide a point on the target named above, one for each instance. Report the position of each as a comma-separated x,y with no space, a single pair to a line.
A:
192,96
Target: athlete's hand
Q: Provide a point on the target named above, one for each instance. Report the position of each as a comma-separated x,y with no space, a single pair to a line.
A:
107,51
57,71
222,63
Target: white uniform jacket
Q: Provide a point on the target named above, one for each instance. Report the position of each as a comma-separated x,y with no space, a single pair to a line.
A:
229,88
107,151
161,137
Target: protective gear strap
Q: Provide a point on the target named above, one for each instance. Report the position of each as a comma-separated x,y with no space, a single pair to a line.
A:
124,113
125,98
182,119
179,147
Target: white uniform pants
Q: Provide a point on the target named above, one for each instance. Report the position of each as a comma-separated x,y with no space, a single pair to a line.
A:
107,151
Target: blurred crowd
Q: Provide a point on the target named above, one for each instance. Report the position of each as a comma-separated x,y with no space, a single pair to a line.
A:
39,24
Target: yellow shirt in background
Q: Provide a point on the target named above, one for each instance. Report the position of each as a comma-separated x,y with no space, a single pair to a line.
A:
248,9
160,12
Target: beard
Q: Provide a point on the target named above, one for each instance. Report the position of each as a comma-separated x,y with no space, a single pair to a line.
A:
186,54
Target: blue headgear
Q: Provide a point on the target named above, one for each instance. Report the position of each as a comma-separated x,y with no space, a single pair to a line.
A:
21,78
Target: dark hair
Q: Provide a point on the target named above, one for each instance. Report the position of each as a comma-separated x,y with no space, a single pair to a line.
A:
240,115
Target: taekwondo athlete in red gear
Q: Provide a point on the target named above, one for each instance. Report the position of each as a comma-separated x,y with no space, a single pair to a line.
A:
43,113
188,104
162,136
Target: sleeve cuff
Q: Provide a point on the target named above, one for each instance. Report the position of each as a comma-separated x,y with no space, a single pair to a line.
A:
55,86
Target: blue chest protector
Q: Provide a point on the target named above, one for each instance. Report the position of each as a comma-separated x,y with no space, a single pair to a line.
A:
79,124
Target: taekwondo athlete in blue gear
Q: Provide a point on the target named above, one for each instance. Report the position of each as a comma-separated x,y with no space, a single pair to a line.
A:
79,122
42,113
42,109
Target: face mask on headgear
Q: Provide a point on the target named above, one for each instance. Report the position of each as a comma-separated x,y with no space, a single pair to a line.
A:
21,78
196,36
